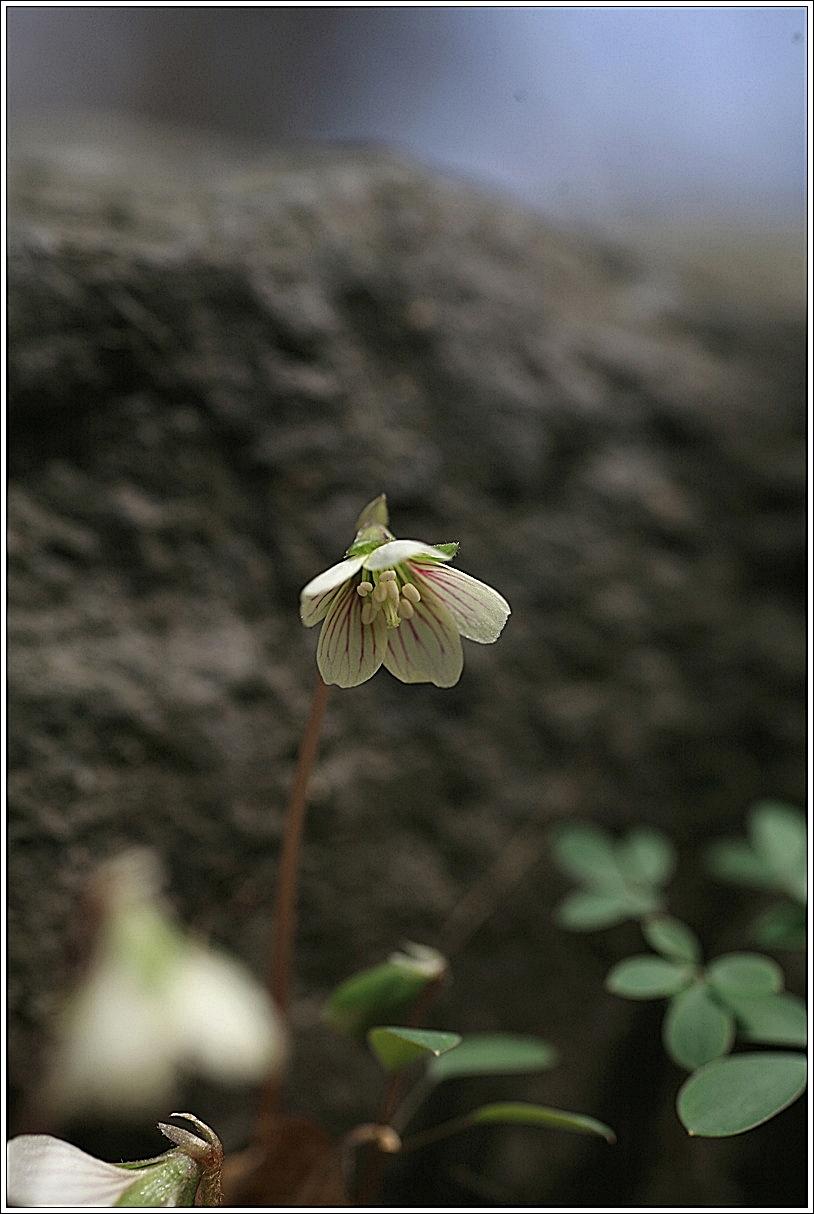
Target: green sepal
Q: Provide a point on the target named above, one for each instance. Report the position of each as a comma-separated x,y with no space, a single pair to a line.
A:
397,1047
374,512
173,1181
365,547
447,549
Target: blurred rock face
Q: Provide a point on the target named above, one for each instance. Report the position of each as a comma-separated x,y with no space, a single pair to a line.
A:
214,363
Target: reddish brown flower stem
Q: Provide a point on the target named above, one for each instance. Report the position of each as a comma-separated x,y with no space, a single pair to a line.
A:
284,921
284,918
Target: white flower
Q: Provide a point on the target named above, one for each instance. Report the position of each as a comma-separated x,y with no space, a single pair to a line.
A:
398,604
45,1171
153,1005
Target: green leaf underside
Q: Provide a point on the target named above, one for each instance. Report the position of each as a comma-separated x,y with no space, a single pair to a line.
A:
372,997
778,835
774,857
493,1053
622,878
396,1048
587,910
737,1093
648,977
745,974
534,1114
734,861
781,926
172,1183
697,1029
672,938
646,856
587,854
779,1019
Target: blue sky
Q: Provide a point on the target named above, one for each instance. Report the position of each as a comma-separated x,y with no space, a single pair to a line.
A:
589,113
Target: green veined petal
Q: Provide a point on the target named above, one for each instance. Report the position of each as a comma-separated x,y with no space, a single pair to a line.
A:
350,652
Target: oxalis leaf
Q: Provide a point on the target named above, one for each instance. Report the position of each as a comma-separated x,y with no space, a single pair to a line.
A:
381,993
396,1048
781,926
519,1113
587,910
745,974
735,1094
778,835
587,853
672,938
493,1054
646,856
779,1019
648,977
697,1029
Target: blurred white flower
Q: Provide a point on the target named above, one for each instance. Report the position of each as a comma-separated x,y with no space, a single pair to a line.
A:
153,1005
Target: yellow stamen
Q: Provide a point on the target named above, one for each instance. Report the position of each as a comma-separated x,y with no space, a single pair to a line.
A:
406,609
379,592
369,613
364,588
411,592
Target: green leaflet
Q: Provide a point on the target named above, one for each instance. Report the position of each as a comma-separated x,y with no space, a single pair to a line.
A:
396,1048
737,1093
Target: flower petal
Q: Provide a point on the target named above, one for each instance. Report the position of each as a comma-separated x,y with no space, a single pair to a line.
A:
225,1023
316,597
479,611
426,648
45,1171
388,555
350,652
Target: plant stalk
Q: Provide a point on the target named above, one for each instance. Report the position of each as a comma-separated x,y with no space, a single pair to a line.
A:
284,919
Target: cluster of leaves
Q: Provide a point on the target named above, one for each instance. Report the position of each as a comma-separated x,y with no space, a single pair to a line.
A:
738,996
772,858
357,1009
